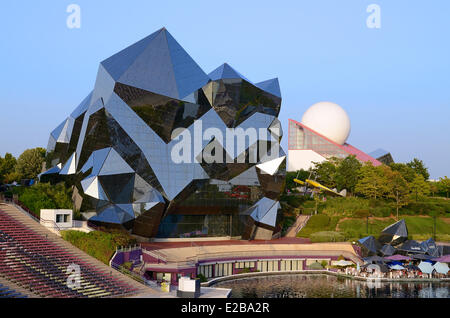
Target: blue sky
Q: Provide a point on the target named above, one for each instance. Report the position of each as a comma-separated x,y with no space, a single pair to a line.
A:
394,82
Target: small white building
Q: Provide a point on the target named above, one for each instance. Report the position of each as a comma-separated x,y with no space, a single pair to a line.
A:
59,219
62,219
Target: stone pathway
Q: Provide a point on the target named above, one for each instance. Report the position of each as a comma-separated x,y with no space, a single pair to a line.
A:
297,226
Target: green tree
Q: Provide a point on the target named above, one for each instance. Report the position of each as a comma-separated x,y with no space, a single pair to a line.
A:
45,196
419,186
433,187
444,185
325,172
29,163
7,167
419,167
398,189
372,182
407,172
290,176
347,174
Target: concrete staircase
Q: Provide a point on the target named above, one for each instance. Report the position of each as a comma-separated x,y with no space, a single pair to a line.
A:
301,221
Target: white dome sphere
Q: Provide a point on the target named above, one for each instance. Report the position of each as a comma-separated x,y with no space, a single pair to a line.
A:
328,119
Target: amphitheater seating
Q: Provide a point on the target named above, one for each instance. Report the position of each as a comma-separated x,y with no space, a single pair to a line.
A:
39,265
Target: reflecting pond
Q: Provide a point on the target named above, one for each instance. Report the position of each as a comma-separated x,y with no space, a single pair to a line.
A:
327,286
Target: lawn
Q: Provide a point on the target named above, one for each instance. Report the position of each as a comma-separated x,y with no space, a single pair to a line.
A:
419,227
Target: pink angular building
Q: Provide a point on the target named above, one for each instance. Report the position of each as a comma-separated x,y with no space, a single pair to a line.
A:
322,134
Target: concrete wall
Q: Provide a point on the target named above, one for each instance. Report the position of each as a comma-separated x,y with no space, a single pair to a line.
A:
49,218
302,159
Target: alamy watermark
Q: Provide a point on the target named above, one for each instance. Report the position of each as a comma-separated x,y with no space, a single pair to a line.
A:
74,19
74,279
374,19
236,145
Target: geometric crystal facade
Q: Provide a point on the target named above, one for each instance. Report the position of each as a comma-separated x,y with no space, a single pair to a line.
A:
394,234
382,156
152,105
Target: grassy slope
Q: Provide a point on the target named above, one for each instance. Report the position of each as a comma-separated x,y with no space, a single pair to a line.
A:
100,245
419,227
343,216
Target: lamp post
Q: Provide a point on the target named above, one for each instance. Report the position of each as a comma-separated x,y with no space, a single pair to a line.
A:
434,227
367,225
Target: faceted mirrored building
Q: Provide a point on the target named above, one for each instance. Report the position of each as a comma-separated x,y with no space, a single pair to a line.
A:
149,149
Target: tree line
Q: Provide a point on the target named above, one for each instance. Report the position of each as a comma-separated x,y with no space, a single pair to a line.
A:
27,166
400,182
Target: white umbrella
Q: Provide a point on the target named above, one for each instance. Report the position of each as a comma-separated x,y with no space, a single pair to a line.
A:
373,268
426,267
343,263
441,268
397,267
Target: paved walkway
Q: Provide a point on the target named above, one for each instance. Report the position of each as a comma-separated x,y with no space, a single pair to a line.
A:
298,225
186,254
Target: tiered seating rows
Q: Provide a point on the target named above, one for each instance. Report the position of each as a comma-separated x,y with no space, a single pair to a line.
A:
39,265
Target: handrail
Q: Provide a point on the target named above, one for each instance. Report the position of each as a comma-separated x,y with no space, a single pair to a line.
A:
204,257
127,248
36,218
132,275
155,254
301,225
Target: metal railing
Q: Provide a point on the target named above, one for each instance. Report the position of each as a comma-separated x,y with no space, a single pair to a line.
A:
35,217
155,254
133,275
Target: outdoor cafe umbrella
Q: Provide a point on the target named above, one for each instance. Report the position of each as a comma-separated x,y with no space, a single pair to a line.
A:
383,268
373,268
412,267
372,259
397,267
398,257
343,263
376,267
441,268
426,267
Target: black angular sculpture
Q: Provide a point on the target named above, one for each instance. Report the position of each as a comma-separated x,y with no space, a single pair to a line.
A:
394,234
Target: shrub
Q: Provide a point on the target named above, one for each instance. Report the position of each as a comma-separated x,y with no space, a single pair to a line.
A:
127,265
386,212
202,278
293,200
45,196
381,211
350,234
361,213
98,244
